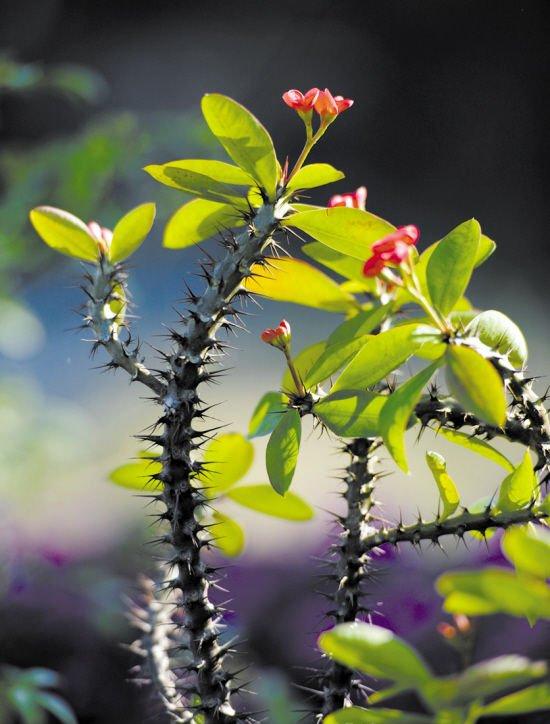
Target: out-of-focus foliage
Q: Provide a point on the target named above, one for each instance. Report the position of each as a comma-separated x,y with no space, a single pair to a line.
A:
26,694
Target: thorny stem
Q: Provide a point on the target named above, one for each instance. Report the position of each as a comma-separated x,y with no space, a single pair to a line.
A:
351,563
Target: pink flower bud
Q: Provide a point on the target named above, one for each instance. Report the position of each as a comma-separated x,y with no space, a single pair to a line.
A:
354,200
328,105
279,336
299,102
101,235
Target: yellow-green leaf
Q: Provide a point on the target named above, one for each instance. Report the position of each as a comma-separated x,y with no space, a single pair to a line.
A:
267,414
303,362
351,231
64,232
476,384
445,484
264,499
313,175
228,535
346,266
296,281
130,231
527,547
244,138
282,451
333,358
351,413
137,475
213,180
226,460
480,447
520,487
498,332
357,715
197,220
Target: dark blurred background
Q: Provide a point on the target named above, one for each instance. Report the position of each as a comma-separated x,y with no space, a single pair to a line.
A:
449,122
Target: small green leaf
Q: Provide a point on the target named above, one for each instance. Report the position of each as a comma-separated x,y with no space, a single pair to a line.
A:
381,355
303,362
397,411
519,488
333,358
244,138
137,475
226,460
527,547
296,281
282,451
56,706
313,175
498,332
476,384
267,414
531,699
480,447
64,232
265,500
445,484
203,178
356,715
228,535
451,265
375,651
197,220
350,231
346,266
351,413
130,231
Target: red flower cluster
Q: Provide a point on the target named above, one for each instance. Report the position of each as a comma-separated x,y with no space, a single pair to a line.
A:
322,101
392,249
279,336
354,200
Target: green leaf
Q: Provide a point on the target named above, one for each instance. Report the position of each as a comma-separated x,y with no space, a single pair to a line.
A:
130,231
375,651
267,414
397,411
228,535
244,138
265,500
346,266
528,549
494,590
137,475
447,489
451,265
498,332
212,180
64,232
350,231
480,447
381,355
313,175
197,220
303,362
56,706
282,451
356,715
351,413
333,358
296,281
531,699
520,487
359,325
476,384
226,460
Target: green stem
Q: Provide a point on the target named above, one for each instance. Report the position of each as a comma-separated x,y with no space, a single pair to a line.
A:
294,373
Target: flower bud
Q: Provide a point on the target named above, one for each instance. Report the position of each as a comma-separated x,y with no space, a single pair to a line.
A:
279,336
353,200
101,235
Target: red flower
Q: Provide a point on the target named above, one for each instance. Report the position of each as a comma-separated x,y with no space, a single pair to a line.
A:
328,105
392,249
279,336
354,200
101,235
299,102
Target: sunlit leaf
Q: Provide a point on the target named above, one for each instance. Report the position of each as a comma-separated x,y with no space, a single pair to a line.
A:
356,715
303,362
64,232
267,414
534,698
244,138
333,358
445,484
313,175
347,266
359,325
520,487
451,265
282,451
137,475
226,460
350,231
527,547
212,180
130,231
351,413
293,280
396,413
375,651
497,331
228,535
265,500
197,220
480,447
381,355
476,384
